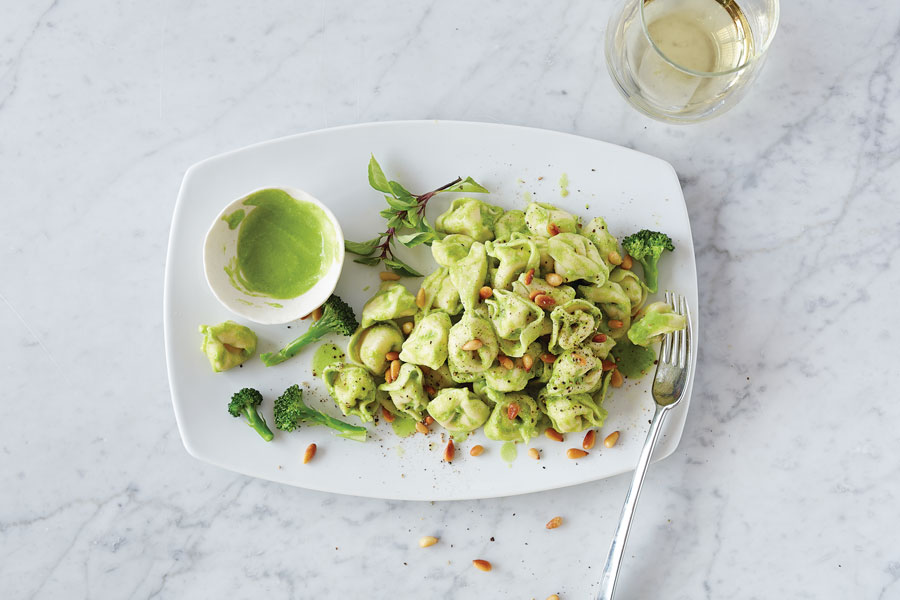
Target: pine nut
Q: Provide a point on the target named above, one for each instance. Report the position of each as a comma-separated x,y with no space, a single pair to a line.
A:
553,434
544,301
589,439
616,324
534,453
615,258
407,327
429,419
599,338
428,540
310,452
575,453
608,365
548,358
552,597
421,428
527,362
395,368
616,380
627,262
579,359
392,356
473,345
512,410
506,362
388,276
554,279
611,439
554,523
430,390
476,450
317,314
529,276
305,317
388,415
481,565
485,292
552,229
387,376
534,294
449,451
420,298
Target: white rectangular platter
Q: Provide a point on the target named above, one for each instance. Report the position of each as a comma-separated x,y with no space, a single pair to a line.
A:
631,190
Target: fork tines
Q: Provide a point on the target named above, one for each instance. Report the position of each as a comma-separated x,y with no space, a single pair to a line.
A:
676,345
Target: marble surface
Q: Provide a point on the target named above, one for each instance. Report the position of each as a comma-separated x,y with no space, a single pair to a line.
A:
787,481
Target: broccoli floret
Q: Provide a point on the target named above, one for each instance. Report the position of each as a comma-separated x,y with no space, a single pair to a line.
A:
646,247
290,411
337,317
244,403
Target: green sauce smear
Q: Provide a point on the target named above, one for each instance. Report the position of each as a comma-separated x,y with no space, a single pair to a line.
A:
509,452
564,185
235,218
404,426
327,354
633,361
284,246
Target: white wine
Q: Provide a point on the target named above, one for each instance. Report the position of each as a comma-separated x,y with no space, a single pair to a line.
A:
683,56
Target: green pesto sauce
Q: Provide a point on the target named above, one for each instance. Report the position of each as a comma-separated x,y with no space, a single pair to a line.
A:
327,354
235,218
284,246
509,452
633,361
275,305
404,426
564,185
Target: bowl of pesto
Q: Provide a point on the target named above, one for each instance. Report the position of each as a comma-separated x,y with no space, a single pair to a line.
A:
274,255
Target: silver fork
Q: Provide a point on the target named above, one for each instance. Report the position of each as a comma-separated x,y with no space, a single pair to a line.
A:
668,389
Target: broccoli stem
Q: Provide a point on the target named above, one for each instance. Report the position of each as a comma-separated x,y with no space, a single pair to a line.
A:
651,274
311,336
258,423
350,432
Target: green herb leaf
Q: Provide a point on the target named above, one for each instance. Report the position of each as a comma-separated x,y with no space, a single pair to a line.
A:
411,240
401,268
401,203
376,177
387,213
368,260
362,248
400,191
469,186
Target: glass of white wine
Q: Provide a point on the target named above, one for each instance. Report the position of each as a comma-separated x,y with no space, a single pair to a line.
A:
684,61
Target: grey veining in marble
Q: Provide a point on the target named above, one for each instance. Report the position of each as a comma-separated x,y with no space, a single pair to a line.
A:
787,481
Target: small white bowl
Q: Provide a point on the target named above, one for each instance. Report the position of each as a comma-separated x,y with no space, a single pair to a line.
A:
221,247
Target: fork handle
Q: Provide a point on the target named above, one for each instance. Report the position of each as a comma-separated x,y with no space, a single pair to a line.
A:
617,548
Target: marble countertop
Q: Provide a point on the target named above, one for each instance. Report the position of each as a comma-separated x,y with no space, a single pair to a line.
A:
786,483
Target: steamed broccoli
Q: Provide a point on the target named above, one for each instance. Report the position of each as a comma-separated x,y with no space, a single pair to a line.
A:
646,247
244,403
290,411
337,317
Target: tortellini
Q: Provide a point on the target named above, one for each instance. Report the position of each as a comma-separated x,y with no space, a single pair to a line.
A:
468,365
352,388
452,249
440,293
392,301
499,378
458,410
632,286
471,217
227,344
512,221
427,344
526,422
369,345
614,302
560,294
656,320
575,372
573,413
516,256
576,257
603,240
539,217
468,274
517,321
407,392
439,378
573,323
